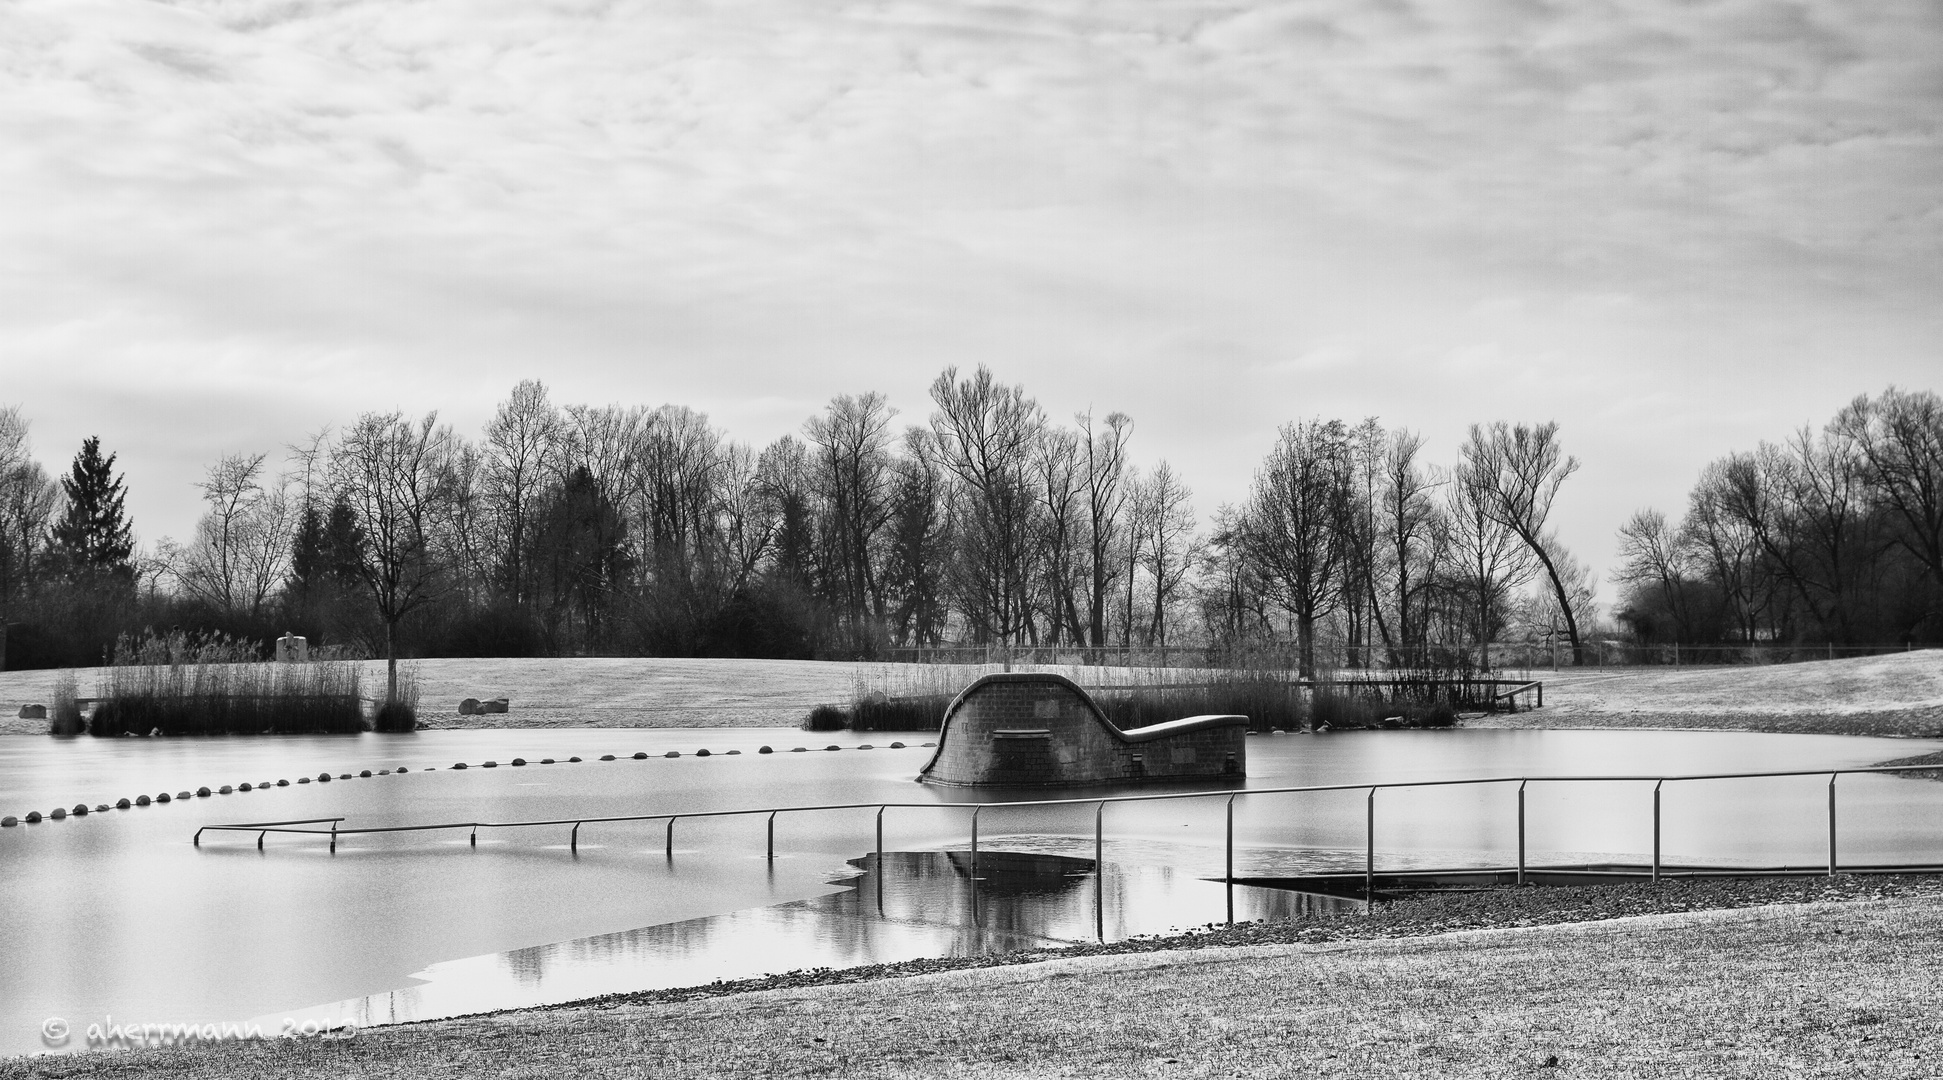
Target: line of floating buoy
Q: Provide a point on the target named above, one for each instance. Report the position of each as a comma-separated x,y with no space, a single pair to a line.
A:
82,810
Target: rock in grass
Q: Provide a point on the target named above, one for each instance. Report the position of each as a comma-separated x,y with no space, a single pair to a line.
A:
468,706
496,705
765,750
122,804
141,800
33,712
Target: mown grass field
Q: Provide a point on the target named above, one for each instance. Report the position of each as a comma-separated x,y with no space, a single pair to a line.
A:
1809,990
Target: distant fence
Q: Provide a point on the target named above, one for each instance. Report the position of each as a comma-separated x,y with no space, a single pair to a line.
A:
1520,655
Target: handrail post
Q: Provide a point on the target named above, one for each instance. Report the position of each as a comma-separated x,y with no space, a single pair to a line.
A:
1656,828
880,840
1831,823
474,840
772,836
1369,857
259,840
1229,878
1099,871
671,837
573,841
333,836
1521,830
196,839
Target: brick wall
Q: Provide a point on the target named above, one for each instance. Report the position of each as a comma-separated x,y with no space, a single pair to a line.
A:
1043,730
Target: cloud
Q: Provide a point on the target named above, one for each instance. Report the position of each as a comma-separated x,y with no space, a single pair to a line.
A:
322,206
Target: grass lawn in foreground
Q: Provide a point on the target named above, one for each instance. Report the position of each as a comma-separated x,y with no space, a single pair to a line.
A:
1821,989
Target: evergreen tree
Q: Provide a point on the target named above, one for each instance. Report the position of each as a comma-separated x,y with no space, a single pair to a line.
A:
93,540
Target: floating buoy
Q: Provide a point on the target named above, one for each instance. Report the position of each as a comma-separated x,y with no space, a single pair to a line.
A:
864,746
57,813
490,765
346,776
226,789
897,746
80,809
164,797
141,800
384,772
202,793
33,817
546,761
672,753
833,746
365,774
283,783
573,761
460,765
765,750
242,787
519,761
261,784
735,751
303,779
8,822
640,755
401,768
927,744
102,808
122,804
703,752
323,778
607,757
184,795
800,750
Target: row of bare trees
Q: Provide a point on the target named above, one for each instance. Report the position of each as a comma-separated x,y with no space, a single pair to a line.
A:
1833,535
1350,539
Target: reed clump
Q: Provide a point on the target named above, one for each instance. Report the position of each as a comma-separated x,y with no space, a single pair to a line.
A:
64,712
179,684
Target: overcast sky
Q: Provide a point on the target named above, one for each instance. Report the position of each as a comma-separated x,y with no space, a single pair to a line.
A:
1676,228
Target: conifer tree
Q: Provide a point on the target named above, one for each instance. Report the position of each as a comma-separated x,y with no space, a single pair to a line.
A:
93,539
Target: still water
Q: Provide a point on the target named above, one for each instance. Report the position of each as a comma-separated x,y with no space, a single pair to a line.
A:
118,915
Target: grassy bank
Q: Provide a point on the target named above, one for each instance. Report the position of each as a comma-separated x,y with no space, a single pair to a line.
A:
1823,988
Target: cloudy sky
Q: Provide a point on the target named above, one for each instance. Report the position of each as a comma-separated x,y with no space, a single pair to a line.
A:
1676,228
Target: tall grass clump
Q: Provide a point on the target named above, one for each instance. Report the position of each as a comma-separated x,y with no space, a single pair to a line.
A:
401,713
64,712
182,685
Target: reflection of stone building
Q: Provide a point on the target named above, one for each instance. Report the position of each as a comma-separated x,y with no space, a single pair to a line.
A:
1043,730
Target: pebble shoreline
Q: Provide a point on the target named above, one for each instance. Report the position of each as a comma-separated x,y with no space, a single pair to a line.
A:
1502,907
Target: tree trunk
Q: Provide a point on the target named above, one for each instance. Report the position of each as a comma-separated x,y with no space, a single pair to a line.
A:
391,662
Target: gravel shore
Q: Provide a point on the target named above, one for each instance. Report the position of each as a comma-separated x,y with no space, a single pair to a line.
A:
1414,916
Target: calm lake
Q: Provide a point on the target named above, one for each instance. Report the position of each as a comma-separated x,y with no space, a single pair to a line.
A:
118,917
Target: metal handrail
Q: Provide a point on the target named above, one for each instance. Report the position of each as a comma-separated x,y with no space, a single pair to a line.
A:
1099,818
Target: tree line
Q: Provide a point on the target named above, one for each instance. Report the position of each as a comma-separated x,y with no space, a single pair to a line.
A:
589,530
1833,535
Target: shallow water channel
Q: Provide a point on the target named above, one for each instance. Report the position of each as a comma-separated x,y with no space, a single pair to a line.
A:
119,918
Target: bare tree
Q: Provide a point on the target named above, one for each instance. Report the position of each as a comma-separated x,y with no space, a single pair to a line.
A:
392,473
853,477
1104,483
1408,519
27,501
522,443
241,551
1900,437
1521,469
1293,517
1653,555
1490,561
1172,549
1057,478
984,434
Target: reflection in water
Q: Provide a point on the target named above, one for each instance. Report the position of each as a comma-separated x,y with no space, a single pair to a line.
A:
916,904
